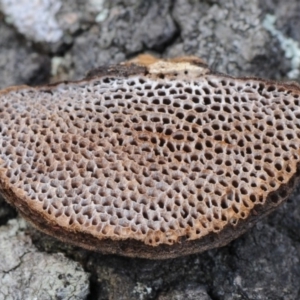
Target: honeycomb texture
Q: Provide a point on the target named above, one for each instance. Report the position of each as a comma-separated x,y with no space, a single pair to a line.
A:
152,157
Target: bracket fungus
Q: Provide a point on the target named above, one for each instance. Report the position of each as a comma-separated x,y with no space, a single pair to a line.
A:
150,158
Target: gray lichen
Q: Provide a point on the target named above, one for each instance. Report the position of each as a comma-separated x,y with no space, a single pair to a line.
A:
289,46
26,273
34,18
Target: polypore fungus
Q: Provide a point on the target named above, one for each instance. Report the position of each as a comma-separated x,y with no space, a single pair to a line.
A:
150,158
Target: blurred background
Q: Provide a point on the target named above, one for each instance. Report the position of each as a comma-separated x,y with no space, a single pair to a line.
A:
43,41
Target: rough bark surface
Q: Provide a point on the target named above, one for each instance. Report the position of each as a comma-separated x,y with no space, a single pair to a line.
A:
238,37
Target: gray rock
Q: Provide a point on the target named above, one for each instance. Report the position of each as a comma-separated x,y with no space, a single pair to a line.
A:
26,273
189,291
19,62
229,36
128,30
263,264
29,18
52,23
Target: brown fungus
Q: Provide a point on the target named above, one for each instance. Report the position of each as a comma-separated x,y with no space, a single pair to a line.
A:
150,158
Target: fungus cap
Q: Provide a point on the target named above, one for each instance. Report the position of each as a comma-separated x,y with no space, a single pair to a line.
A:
150,158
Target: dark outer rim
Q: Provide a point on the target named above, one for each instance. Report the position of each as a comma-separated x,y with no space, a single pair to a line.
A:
134,248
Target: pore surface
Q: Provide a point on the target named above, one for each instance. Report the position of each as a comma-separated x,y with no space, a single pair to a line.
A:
149,158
